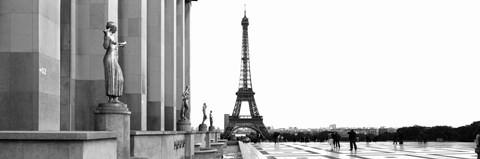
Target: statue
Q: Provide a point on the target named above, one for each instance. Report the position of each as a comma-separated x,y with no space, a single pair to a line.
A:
113,72
204,114
184,124
185,107
211,118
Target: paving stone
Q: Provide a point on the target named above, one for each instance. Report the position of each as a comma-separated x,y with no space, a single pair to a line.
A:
373,150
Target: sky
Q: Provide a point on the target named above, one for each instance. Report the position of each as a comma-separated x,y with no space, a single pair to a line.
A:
353,63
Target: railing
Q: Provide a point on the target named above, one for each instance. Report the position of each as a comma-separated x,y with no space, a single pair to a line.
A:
246,117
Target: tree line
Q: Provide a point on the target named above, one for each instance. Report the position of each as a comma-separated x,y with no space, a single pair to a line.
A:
411,133
447,133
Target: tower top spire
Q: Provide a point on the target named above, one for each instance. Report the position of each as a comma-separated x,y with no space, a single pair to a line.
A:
245,10
245,19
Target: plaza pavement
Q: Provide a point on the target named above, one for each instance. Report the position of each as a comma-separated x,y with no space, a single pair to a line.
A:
373,150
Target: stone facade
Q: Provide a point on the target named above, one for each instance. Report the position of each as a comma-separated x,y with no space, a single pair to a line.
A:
52,70
52,80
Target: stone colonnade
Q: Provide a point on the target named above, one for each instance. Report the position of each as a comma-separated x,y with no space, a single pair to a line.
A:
52,80
51,61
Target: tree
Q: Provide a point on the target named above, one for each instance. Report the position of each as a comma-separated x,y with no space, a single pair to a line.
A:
446,133
385,136
411,133
467,133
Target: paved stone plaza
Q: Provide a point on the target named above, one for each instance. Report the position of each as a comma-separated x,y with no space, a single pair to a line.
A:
378,150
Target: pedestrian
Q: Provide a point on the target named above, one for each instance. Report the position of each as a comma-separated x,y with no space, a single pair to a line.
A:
395,138
330,140
400,138
352,136
477,143
477,138
336,140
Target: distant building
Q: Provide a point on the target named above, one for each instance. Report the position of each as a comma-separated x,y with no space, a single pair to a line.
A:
269,128
392,130
225,120
332,126
383,129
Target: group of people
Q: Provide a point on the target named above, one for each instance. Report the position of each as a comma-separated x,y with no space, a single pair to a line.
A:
398,138
334,140
278,139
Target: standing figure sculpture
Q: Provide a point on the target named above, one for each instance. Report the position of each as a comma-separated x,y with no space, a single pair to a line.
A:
113,72
211,118
185,100
204,114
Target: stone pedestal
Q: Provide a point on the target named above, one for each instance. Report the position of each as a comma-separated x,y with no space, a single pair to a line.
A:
115,117
202,127
184,125
211,128
219,148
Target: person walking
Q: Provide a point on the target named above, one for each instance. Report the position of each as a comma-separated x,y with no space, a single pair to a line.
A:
336,139
330,140
400,138
395,138
352,136
477,143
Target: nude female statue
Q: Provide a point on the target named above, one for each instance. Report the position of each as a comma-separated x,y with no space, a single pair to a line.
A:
204,114
113,72
185,106
211,118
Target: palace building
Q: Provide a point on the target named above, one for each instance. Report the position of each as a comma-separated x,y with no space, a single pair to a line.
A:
53,78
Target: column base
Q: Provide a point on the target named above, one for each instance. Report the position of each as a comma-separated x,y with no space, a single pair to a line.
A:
112,108
211,128
115,117
184,125
202,127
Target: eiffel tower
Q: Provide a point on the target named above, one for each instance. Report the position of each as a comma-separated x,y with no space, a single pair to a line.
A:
245,94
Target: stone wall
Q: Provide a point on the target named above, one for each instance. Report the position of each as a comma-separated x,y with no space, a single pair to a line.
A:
58,145
51,59
161,144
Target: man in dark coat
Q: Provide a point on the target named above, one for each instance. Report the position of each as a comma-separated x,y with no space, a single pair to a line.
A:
336,139
352,136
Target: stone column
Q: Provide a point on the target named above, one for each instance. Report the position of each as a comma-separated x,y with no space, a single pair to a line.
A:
132,20
90,20
170,65
180,83
30,65
186,65
182,125
67,42
189,145
207,139
156,65
187,45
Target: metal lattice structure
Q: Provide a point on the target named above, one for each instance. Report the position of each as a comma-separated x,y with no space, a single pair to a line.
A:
245,94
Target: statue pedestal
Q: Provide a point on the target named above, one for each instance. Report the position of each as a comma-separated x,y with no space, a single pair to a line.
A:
202,127
184,125
211,128
115,117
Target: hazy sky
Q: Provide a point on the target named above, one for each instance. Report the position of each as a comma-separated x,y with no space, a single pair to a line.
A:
354,63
